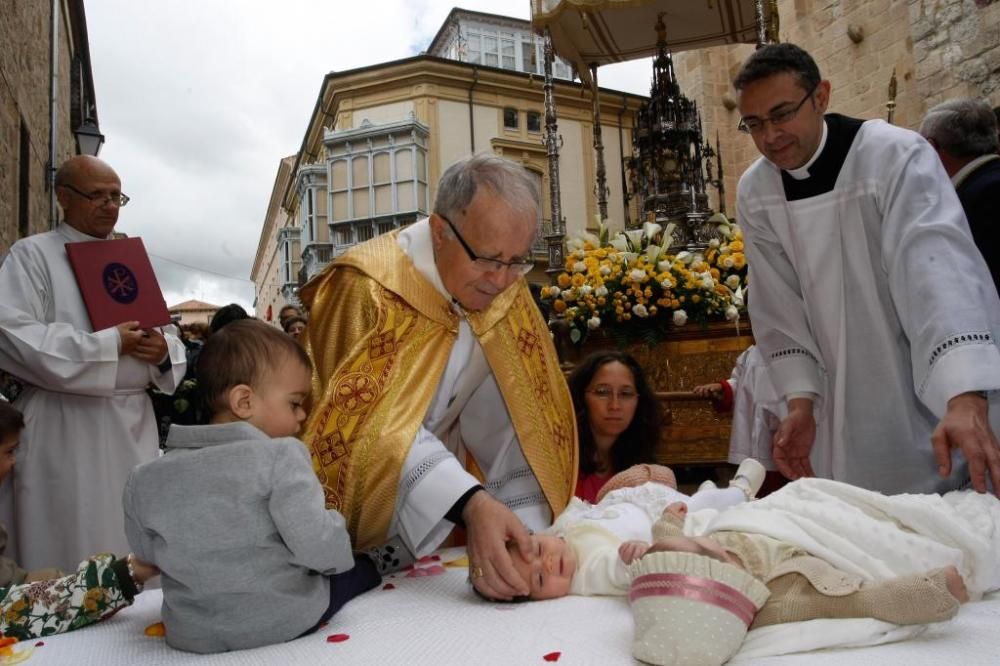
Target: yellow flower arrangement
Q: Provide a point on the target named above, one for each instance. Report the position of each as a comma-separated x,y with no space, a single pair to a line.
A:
630,285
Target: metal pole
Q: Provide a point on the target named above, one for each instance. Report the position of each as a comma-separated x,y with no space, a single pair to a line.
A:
602,174
758,7
50,170
555,237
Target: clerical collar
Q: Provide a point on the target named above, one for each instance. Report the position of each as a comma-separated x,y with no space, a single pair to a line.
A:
803,171
964,172
74,234
415,242
823,169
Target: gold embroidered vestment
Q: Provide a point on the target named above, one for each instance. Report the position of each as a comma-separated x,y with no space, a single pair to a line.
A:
380,336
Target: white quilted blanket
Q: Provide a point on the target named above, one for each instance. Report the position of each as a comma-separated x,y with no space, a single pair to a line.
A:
873,535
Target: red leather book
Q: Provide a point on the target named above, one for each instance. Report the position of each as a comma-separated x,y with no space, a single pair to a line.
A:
117,283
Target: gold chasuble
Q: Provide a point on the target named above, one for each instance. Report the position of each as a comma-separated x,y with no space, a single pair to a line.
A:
380,336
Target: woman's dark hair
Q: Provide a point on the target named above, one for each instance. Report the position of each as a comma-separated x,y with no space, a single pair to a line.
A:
637,444
11,421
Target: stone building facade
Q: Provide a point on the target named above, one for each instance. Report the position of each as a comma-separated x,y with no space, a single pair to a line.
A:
380,137
939,49
276,264
26,36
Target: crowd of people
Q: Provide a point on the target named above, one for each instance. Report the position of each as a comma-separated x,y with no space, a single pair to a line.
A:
428,395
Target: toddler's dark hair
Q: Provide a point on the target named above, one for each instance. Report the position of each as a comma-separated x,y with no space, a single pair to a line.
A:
243,352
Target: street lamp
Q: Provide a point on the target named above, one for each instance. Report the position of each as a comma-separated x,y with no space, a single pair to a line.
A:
89,138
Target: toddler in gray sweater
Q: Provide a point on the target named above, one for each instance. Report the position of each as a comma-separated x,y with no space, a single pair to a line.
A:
233,514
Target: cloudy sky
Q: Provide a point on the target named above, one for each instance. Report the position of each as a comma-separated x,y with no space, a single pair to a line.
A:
200,99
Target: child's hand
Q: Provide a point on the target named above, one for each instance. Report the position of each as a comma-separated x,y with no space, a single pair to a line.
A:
713,390
141,569
631,551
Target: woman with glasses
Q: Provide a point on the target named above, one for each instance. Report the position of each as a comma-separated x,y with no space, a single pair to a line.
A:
617,418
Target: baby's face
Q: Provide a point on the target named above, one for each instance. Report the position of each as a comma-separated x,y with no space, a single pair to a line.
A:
550,575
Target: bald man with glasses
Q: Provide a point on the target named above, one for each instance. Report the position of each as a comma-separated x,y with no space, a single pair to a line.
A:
873,309
89,420
438,399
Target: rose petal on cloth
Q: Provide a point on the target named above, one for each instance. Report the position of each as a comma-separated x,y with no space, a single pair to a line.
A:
429,558
420,572
552,656
337,638
156,629
388,586
39,643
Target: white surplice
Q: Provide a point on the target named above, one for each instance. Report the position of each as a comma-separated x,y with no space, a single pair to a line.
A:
88,418
757,410
467,416
872,296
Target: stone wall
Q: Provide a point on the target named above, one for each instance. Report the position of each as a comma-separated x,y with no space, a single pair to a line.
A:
938,48
24,97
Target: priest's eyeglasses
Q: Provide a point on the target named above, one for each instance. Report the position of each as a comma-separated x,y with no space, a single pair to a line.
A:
489,265
100,198
754,125
605,393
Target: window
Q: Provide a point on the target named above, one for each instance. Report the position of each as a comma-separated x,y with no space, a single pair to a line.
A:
534,121
528,59
507,50
490,53
510,118
474,50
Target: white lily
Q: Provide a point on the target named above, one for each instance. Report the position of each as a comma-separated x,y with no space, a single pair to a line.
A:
594,323
668,235
738,299
574,244
628,257
707,282
652,253
639,310
680,317
732,314
634,238
684,257
650,229
619,242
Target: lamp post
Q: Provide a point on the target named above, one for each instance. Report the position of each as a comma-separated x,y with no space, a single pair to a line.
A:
89,138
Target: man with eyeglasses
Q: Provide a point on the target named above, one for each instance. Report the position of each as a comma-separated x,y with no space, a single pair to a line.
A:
439,400
89,420
872,306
